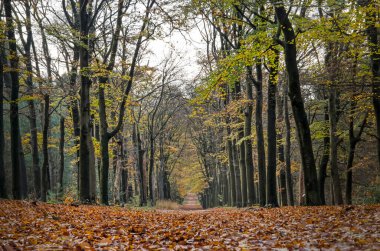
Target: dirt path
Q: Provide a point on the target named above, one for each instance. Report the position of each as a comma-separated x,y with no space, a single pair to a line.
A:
191,202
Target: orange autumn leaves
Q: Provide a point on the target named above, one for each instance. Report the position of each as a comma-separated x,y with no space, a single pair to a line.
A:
28,226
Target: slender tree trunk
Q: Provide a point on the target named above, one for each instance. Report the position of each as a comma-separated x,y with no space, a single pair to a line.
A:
151,169
31,105
232,176
260,136
104,144
85,131
334,147
237,175
242,168
373,34
34,146
17,190
160,177
75,108
3,191
271,186
45,165
288,171
323,163
280,149
302,125
61,153
350,161
92,171
140,165
24,178
248,140
117,180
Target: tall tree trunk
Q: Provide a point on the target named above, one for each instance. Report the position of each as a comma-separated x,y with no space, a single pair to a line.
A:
74,107
260,136
61,153
85,110
3,191
92,171
151,169
241,152
271,186
373,44
242,168
45,164
32,111
74,21
237,174
248,140
350,161
323,163
302,125
140,164
280,148
17,181
231,168
334,147
104,145
288,170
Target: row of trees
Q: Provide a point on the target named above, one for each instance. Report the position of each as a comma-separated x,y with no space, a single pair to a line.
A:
318,63
93,100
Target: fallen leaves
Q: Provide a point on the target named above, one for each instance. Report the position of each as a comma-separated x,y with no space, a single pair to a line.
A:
55,227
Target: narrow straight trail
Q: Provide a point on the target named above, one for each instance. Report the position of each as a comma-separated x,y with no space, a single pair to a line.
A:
191,202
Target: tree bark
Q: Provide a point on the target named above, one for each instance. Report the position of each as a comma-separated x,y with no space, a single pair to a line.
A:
45,164
85,131
242,168
373,44
350,161
302,125
271,184
288,171
32,110
61,153
237,174
260,136
334,147
151,169
3,190
248,140
139,164
17,179
323,163
232,175
280,148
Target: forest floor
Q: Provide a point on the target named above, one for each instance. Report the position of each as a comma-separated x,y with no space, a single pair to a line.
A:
39,226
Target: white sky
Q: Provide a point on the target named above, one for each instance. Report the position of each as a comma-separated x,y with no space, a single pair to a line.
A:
185,45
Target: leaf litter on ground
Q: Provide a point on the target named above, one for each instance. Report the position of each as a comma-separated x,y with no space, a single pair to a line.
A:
40,226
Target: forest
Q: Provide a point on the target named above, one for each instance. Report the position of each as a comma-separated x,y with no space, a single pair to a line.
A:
253,104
